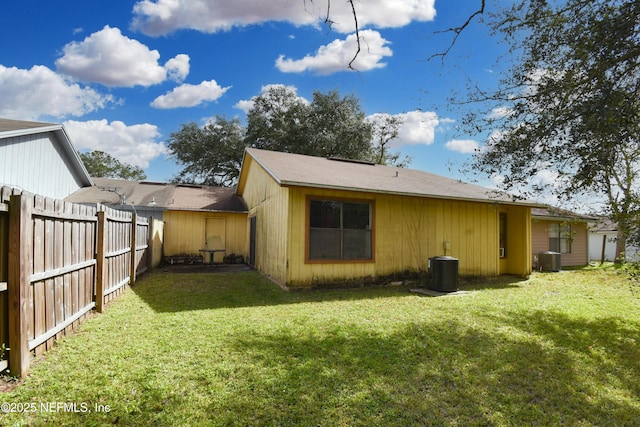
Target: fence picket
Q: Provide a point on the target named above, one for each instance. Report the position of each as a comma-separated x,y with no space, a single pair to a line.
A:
20,264
101,267
43,292
134,249
65,260
51,263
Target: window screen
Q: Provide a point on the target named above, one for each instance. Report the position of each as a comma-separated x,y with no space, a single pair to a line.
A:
339,230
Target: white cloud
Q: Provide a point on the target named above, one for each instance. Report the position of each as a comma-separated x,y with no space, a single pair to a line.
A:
190,95
416,127
463,145
551,180
500,113
336,55
135,144
247,104
244,105
384,13
546,177
40,92
497,180
178,67
160,17
112,59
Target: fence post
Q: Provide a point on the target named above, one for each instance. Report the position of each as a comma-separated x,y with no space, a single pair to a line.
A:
20,265
134,255
101,260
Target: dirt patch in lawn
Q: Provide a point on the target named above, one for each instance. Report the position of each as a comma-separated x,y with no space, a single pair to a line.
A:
8,383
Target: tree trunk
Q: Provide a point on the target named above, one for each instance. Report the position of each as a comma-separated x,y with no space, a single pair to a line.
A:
621,243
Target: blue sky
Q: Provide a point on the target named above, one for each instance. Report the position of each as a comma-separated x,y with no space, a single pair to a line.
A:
123,75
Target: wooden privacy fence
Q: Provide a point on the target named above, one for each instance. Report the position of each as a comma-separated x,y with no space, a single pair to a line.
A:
59,261
5,193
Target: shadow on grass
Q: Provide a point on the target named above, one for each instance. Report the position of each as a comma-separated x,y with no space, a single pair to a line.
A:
611,342
174,292
487,283
566,372
167,292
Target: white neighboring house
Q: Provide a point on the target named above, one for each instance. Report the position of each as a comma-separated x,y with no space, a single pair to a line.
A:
605,232
40,158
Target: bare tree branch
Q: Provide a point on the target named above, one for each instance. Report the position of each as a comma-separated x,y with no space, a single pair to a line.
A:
329,22
457,31
355,20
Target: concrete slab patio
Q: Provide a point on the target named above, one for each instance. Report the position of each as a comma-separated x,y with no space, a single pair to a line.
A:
434,293
206,268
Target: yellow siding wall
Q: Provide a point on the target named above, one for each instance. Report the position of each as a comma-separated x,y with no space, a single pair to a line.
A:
268,202
407,232
184,232
156,241
518,257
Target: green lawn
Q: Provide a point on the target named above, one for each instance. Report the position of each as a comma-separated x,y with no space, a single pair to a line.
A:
208,349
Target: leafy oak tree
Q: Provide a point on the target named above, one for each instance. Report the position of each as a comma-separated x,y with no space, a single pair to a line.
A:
278,121
338,127
329,126
102,165
569,104
209,155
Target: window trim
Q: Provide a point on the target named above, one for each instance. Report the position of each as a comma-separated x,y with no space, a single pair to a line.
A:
307,229
565,232
502,235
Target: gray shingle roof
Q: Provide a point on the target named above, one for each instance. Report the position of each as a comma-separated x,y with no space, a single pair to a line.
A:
160,195
553,213
308,171
14,125
206,198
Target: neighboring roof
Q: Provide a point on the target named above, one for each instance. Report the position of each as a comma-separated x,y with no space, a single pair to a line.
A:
307,171
7,125
161,196
557,214
604,225
11,128
207,198
116,191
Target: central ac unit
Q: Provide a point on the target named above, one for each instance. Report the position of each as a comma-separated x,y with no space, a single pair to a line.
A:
549,261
